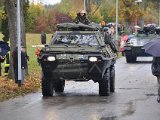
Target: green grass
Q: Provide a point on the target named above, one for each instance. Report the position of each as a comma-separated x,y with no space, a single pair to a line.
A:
34,39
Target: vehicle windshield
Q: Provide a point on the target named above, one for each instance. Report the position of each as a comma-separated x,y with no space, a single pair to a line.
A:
75,39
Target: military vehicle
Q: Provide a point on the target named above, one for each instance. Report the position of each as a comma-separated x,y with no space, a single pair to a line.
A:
134,46
77,52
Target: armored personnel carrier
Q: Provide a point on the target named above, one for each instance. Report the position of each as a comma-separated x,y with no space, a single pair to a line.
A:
134,46
77,52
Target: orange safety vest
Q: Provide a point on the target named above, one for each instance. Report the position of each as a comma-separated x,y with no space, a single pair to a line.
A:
37,52
103,23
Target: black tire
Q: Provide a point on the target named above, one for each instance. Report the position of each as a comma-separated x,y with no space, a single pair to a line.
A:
112,79
59,85
131,59
47,87
104,84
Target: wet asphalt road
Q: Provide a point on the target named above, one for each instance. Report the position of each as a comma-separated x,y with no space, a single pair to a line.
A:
135,99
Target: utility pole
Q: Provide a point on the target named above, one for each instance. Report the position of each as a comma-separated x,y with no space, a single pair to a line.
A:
116,20
159,14
19,42
85,5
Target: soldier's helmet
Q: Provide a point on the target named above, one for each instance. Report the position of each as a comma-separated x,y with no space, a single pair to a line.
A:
82,11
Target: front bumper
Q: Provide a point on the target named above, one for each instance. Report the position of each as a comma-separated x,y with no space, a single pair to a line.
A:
80,70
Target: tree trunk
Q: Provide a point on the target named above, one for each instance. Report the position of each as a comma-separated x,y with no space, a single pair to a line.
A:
12,22
11,12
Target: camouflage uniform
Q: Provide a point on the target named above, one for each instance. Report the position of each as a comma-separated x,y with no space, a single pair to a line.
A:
82,19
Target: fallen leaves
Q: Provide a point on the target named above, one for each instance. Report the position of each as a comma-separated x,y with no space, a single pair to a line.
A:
9,89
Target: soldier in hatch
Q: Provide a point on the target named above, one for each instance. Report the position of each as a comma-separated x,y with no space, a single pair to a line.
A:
81,18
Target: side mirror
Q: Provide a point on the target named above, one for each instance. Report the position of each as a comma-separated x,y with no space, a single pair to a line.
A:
43,38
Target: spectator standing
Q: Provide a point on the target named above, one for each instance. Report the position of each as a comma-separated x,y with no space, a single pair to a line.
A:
123,41
155,67
24,58
112,30
108,40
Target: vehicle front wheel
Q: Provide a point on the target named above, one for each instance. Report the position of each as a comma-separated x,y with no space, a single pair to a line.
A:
131,59
104,84
47,87
112,79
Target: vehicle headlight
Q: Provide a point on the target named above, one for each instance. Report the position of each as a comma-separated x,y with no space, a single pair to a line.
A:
51,58
93,59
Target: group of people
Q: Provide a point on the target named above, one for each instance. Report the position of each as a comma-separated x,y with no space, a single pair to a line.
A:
5,58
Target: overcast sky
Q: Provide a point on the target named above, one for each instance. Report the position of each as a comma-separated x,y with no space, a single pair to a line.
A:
47,1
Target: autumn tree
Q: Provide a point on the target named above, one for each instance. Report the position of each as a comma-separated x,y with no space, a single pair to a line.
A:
4,26
32,16
128,11
65,6
106,7
151,9
41,24
62,18
76,6
95,14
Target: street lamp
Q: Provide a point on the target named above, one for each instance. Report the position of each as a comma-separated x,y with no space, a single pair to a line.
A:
116,19
19,42
137,1
85,5
159,14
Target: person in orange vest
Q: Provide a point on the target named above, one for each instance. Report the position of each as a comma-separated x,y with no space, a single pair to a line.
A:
103,23
37,52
